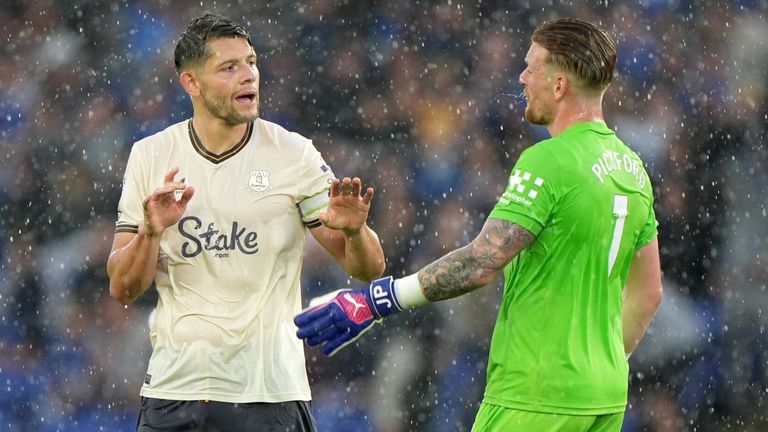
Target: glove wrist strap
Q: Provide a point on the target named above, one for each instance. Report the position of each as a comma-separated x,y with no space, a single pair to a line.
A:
383,299
388,296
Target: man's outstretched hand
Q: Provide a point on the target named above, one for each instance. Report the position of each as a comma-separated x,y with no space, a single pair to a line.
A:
347,209
337,319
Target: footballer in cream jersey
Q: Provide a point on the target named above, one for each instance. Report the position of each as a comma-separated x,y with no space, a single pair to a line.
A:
228,273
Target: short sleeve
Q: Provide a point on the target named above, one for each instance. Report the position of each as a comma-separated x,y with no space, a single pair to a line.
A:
650,230
313,186
129,210
530,195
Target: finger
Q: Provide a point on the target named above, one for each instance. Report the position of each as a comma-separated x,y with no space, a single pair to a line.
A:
170,192
171,174
168,188
338,343
306,317
159,195
166,193
186,196
313,327
323,299
323,336
368,196
346,186
334,188
324,218
345,339
356,187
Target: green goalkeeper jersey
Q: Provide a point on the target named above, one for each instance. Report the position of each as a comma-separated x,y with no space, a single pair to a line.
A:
557,346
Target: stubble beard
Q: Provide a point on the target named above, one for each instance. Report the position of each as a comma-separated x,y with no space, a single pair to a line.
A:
220,109
537,117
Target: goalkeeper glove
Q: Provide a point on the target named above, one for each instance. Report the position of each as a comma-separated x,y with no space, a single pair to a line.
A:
337,319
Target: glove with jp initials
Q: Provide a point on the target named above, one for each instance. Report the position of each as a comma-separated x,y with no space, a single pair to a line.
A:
337,319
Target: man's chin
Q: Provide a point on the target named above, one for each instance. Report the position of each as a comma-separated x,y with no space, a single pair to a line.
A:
532,119
241,118
247,118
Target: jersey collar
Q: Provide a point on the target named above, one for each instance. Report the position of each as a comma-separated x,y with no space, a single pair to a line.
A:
221,157
595,126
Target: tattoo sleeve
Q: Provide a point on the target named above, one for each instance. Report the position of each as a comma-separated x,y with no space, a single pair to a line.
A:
475,264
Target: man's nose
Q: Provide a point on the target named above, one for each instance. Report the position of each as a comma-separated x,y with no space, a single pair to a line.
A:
251,74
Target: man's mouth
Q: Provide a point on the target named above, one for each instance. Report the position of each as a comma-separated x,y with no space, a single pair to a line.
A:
246,97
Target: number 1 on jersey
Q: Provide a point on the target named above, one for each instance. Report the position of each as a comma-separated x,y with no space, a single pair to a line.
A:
620,211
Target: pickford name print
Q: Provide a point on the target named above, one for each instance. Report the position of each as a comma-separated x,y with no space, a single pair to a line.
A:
212,239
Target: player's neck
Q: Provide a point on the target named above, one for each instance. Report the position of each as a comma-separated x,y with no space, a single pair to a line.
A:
216,135
576,112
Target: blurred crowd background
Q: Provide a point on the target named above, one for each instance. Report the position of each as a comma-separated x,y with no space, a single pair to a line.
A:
420,99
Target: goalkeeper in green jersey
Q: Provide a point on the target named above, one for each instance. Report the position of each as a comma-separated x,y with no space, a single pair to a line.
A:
574,235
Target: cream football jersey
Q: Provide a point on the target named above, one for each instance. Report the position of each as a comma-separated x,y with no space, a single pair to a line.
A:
228,271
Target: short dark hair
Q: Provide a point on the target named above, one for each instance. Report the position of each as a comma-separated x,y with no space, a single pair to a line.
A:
580,48
192,49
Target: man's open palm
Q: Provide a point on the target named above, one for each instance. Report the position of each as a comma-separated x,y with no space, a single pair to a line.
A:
347,210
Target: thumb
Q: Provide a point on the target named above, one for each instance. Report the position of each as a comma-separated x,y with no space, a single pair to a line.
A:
324,218
186,196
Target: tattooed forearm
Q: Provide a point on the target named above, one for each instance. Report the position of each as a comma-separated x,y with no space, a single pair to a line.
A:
477,263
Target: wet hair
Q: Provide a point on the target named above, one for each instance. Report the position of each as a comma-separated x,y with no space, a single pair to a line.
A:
192,49
580,48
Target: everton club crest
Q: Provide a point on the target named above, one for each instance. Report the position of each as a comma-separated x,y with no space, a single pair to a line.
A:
258,183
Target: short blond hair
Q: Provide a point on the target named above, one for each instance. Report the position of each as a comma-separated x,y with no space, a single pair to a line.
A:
580,48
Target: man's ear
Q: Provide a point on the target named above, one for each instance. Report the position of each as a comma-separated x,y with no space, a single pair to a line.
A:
190,83
561,86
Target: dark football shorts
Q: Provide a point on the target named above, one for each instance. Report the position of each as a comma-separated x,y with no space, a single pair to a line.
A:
161,415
